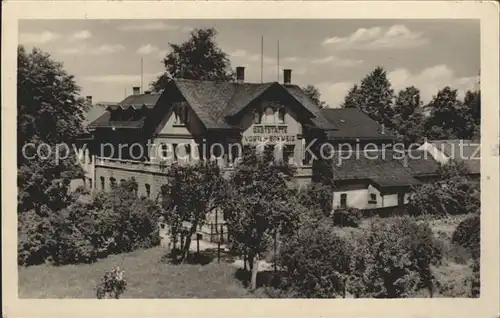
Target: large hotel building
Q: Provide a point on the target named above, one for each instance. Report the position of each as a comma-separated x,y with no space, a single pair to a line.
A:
203,120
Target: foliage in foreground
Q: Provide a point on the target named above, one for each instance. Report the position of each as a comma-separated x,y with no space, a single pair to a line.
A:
260,206
315,261
468,235
81,233
191,193
392,259
112,284
350,217
452,196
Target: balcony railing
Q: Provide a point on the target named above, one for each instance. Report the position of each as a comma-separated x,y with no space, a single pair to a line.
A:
158,167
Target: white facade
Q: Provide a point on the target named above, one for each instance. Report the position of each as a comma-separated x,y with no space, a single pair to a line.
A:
365,197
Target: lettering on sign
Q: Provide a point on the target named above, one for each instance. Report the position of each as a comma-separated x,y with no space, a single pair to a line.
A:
269,139
271,129
270,134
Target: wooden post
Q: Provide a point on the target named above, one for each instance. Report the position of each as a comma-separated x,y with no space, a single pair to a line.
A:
211,232
218,249
198,243
222,233
275,252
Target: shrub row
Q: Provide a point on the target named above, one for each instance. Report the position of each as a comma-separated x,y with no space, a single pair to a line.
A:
390,259
112,223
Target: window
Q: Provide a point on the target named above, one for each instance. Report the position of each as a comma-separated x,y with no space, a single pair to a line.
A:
373,198
90,183
181,114
343,200
174,150
269,116
164,151
288,152
201,151
148,190
281,115
112,182
256,116
122,181
103,184
187,150
177,114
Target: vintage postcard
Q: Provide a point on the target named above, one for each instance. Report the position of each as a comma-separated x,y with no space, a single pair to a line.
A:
251,159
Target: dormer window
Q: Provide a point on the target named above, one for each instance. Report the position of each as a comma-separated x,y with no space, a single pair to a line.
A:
281,115
180,114
268,117
256,116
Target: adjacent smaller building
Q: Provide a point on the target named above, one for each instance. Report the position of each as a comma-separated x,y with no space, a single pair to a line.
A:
373,180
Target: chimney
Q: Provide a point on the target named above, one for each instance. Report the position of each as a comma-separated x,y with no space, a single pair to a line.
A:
240,74
136,90
287,76
88,99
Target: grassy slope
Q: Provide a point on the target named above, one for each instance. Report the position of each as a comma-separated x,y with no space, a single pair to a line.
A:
146,275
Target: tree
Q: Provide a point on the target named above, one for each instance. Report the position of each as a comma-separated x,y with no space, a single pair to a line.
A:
49,107
43,180
315,261
453,194
314,94
374,96
392,259
408,118
472,113
351,99
191,193
49,111
446,120
260,205
198,58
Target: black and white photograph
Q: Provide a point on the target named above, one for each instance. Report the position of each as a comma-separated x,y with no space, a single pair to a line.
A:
222,158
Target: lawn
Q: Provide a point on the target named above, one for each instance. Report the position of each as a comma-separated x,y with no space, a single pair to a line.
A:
146,274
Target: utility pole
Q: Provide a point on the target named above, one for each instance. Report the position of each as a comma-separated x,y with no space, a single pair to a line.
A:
142,75
278,62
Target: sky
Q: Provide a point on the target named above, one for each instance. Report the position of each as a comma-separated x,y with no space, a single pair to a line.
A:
333,55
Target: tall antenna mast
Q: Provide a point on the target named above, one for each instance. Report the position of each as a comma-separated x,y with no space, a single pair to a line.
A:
261,58
142,75
278,62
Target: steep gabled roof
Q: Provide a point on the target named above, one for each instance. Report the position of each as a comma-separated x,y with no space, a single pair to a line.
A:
319,119
106,121
420,163
352,123
383,170
213,101
244,94
208,99
137,102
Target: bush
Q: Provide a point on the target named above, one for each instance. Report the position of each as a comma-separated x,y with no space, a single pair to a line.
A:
317,197
113,223
392,259
468,235
112,284
350,217
34,238
449,197
315,262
